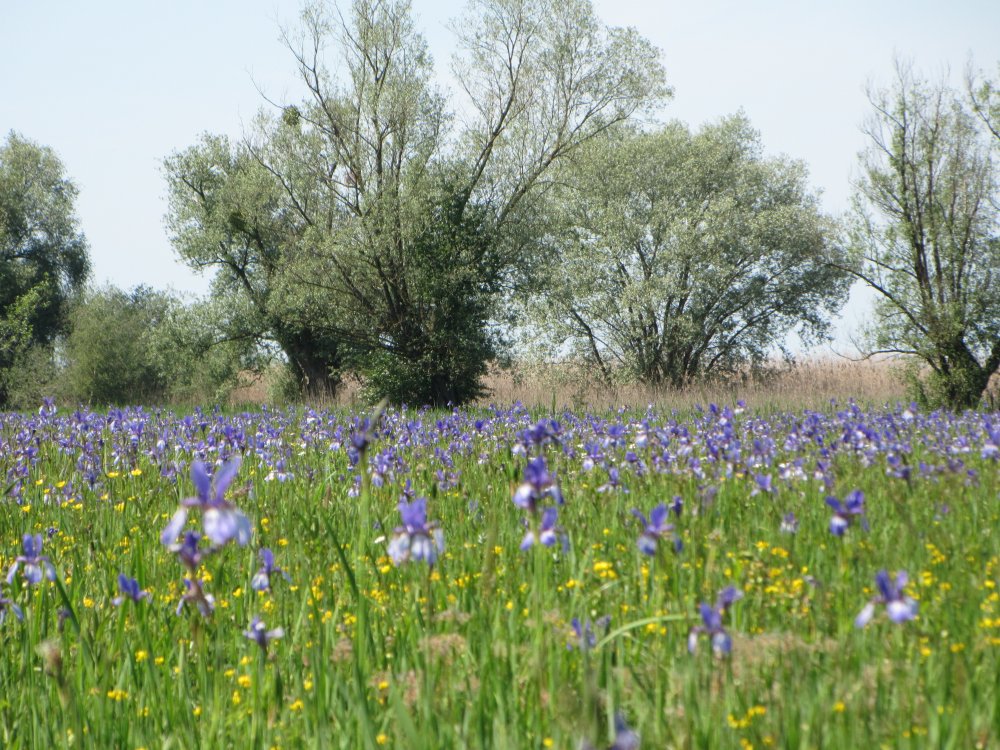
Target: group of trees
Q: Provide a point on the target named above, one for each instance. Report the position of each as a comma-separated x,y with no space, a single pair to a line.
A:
381,228
370,227
145,346
103,345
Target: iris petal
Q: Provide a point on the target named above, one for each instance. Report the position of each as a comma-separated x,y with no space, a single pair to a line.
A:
225,476
202,482
865,615
901,610
173,529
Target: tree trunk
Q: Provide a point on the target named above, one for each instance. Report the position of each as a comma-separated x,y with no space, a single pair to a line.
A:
316,364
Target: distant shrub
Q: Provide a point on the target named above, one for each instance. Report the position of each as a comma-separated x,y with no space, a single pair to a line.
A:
144,347
33,375
109,350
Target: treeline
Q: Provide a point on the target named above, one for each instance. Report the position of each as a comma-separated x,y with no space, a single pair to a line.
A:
384,228
125,347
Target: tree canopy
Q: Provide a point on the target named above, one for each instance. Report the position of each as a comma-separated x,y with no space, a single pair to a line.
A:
926,235
43,253
229,213
143,346
679,254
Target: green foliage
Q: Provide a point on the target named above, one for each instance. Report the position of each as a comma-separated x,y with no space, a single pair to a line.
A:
109,348
199,364
334,250
984,95
43,255
679,255
436,352
28,371
33,374
283,385
228,212
16,331
144,347
926,237
961,387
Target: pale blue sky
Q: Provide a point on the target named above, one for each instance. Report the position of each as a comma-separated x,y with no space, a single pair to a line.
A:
114,86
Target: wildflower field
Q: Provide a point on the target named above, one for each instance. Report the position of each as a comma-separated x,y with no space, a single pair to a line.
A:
500,578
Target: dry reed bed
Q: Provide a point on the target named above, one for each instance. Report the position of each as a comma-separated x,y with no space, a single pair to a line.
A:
809,384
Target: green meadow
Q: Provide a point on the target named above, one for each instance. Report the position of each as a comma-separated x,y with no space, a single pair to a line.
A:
474,645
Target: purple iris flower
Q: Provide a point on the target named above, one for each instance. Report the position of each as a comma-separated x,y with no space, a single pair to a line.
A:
899,607
614,481
544,432
593,456
279,472
897,467
763,484
991,447
538,483
262,579
722,643
546,533
625,737
7,605
129,589
259,634
584,636
845,513
197,596
789,523
677,506
221,520
655,529
711,626
727,597
188,551
416,539
362,437
36,565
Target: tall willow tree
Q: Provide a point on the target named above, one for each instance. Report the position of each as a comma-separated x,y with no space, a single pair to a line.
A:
680,254
229,213
926,235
